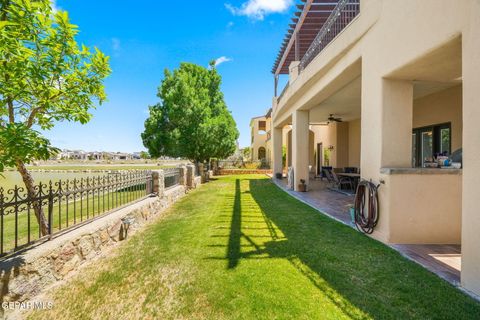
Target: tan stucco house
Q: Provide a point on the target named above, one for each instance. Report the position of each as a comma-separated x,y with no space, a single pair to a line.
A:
385,85
259,132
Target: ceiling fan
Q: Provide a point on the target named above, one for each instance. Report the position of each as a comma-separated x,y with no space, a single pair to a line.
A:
332,118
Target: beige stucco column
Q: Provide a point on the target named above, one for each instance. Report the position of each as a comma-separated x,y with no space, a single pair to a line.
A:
387,113
470,274
397,119
293,71
277,152
300,146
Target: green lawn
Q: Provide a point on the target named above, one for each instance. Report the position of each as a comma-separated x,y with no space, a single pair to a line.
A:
240,248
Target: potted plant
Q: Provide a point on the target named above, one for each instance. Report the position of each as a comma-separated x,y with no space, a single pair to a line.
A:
279,175
302,187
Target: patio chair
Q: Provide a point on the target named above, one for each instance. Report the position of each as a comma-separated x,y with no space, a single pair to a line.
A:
341,183
351,170
322,172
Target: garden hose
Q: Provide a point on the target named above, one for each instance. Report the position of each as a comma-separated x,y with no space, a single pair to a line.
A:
366,206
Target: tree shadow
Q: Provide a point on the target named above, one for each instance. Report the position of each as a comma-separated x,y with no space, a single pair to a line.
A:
355,272
233,249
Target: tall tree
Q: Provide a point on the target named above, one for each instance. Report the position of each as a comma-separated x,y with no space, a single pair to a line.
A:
45,77
191,120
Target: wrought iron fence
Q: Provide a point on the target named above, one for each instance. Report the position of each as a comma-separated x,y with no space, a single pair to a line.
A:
171,177
341,16
59,206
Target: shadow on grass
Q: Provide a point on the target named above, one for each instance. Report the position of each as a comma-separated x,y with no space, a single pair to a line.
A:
352,270
233,250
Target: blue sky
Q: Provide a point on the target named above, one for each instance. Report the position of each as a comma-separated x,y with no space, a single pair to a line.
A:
144,37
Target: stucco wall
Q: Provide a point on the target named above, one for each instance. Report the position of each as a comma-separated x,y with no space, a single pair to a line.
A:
419,217
441,107
354,143
342,145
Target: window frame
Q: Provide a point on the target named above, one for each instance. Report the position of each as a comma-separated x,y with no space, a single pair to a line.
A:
436,138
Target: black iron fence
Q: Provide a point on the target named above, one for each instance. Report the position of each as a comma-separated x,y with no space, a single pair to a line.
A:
171,177
58,206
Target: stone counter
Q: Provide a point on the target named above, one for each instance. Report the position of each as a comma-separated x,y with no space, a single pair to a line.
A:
422,171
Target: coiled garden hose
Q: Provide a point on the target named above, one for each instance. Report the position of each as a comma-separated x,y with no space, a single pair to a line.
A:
366,206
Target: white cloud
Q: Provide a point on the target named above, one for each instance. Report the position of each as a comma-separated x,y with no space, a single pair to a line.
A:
258,9
221,60
116,46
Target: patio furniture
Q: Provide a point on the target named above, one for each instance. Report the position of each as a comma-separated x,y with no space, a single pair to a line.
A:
350,170
354,178
322,173
337,182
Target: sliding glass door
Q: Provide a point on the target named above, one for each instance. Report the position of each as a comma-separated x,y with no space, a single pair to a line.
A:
429,142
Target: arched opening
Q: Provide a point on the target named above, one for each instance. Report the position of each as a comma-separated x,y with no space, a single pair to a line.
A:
262,153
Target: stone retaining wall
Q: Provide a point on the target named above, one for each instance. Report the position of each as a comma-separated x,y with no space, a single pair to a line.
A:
26,274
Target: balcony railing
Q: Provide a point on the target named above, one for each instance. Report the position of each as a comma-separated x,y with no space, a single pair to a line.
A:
341,16
283,91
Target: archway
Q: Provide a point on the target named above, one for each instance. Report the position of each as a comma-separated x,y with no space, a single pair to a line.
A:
262,153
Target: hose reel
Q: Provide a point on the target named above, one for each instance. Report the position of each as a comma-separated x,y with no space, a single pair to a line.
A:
366,206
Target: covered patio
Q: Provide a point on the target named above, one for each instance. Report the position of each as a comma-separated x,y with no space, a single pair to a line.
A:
442,259
334,204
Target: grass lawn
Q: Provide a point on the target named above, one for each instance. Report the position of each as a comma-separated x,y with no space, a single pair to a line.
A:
241,248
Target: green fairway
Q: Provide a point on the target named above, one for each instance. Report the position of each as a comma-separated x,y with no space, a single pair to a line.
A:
241,248
105,167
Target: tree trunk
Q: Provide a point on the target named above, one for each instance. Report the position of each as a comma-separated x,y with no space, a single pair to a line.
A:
37,208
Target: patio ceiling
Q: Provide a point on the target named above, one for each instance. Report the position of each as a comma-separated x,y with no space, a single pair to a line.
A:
306,23
345,103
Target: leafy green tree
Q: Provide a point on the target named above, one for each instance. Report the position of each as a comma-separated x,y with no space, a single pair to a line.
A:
192,120
45,77
144,155
246,153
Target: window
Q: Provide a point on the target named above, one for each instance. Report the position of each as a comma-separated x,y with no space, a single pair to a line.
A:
429,142
262,127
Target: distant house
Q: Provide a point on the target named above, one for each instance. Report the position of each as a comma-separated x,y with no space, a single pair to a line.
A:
122,156
258,146
72,155
261,137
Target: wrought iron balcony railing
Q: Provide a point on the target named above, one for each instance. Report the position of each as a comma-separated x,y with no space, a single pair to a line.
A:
341,16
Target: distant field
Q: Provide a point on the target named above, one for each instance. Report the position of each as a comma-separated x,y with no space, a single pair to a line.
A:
9,179
101,167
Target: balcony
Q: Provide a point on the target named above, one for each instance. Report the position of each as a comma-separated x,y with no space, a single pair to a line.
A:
339,19
317,25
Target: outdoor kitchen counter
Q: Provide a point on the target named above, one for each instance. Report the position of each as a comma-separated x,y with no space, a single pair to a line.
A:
426,171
